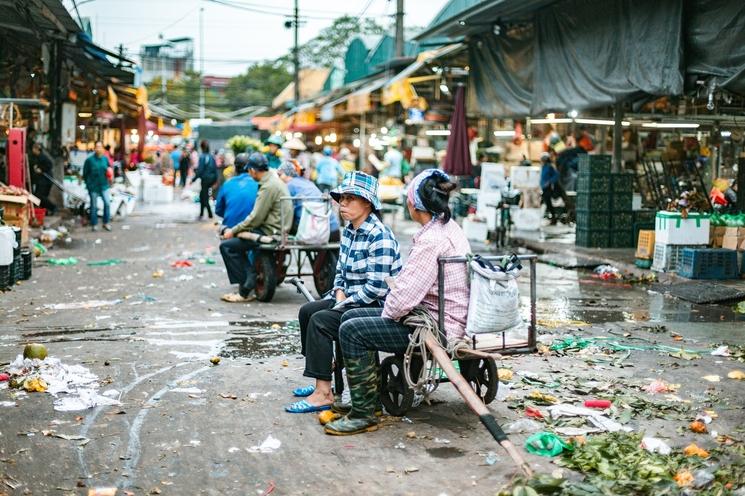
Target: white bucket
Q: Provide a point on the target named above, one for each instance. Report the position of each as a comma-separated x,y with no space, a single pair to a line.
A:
7,244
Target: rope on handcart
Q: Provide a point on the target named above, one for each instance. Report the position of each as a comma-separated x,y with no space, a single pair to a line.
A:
423,324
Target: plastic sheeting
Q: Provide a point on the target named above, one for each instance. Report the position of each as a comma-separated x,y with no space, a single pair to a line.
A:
589,57
715,42
501,74
579,54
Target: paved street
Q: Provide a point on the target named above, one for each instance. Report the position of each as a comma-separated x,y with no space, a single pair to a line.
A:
185,426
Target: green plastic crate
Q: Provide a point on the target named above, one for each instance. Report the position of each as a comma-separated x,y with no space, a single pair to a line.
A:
621,220
593,238
622,238
621,202
643,263
622,182
594,164
593,183
646,216
589,219
596,202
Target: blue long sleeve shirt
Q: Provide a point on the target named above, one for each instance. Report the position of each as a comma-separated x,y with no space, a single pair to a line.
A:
329,170
236,199
549,176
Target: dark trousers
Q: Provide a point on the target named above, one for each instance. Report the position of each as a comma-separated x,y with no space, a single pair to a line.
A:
183,175
204,201
319,327
234,253
553,191
363,330
42,191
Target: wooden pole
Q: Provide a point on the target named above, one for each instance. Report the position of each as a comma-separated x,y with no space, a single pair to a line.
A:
475,403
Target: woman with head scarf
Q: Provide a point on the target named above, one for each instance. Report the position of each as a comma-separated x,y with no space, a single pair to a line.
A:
363,332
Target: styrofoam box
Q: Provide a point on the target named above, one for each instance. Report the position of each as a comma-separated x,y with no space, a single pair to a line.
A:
486,198
671,228
158,193
475,230
527,219
525,176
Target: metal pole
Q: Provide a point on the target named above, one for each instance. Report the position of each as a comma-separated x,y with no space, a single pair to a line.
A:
296,52
400,28
201,63
363,138
618,137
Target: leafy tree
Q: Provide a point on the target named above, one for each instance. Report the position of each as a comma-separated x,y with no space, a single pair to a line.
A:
258,85
329,46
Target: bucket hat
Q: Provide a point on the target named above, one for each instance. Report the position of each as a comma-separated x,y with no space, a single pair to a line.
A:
274,140
358,184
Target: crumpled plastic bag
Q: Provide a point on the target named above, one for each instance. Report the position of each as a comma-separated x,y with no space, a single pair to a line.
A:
546,444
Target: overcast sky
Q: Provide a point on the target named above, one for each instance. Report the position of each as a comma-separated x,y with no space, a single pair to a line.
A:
233,38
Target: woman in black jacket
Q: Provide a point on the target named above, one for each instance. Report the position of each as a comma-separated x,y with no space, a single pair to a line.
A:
207,174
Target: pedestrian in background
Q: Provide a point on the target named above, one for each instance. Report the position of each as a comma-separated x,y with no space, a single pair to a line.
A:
328,171
94,175
40,174
184,163
207,175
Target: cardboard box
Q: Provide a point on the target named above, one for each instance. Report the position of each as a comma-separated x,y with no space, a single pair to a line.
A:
734,231
734,243
716,233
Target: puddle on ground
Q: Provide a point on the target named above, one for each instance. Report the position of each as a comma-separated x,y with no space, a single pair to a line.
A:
261,339
445,452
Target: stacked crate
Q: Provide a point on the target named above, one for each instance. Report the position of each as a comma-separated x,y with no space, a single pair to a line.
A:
645,249
622,217
593,208
674,232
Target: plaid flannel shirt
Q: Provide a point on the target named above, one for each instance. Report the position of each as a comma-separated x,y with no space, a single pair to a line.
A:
367,256
417,282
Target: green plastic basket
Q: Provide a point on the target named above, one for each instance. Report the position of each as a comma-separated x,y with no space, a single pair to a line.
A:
593,238
588,219
593,183
595,202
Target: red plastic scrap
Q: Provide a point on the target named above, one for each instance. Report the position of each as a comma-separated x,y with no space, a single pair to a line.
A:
180,264
533,412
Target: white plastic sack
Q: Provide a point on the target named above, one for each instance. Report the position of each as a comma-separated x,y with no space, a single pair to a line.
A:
494,305
314,227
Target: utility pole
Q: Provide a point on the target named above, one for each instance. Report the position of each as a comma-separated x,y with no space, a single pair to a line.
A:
121,55
296,52
399,28
201,63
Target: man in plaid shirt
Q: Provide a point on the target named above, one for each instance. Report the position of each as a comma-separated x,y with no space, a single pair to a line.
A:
369,254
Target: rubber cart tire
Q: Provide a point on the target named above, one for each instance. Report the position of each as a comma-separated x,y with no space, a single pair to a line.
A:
395,394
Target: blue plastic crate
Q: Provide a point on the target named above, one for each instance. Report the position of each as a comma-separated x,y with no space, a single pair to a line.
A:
708,263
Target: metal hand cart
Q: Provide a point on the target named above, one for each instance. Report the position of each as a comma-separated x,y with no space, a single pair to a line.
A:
476,365
285,257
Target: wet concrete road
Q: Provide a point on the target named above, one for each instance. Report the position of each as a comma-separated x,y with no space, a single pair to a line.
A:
188,427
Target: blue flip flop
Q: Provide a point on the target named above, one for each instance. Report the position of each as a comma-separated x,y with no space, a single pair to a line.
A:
303,392
303,406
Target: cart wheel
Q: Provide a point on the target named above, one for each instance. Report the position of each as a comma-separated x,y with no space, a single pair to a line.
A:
324,270
395,394
266,276
482,375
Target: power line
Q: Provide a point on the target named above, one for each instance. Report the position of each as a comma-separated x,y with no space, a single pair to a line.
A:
162,29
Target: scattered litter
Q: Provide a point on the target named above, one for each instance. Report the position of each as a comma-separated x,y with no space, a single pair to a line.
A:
158,274
233,450
595,418
546,444
325,416
522,425
82,304
407,420
656,445
400,446
181,264
504,375
105,263
63,261
184,277
711,378
737,375
269,445
35,351
576,431
533,412
215,360
126,227
601,404
190,390
607,273
491,458
228,396
542,398
102,491
73,386
442,441
660,386
693,450
411,470
721,351
683,478
7,403
4,377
